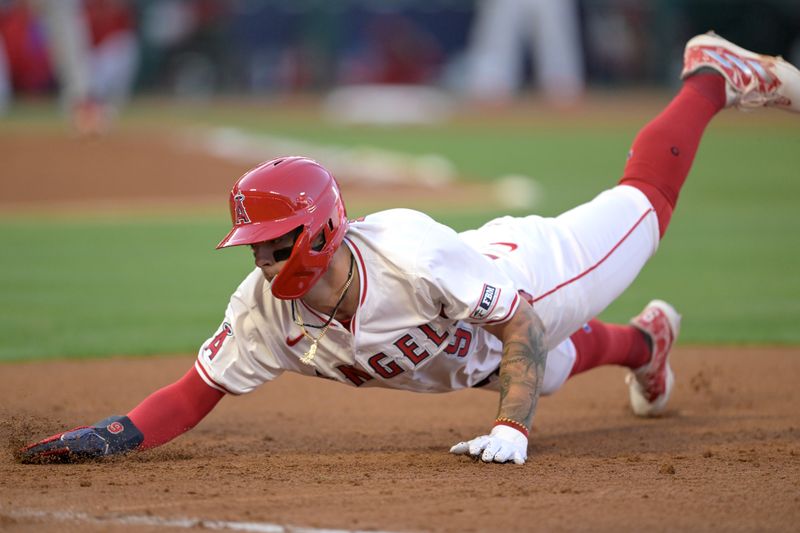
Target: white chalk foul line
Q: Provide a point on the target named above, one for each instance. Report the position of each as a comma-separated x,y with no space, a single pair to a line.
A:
157,521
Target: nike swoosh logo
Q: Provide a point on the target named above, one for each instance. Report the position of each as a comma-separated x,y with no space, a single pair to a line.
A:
511,245
292,342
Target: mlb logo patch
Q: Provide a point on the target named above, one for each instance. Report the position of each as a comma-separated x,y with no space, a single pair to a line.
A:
487,302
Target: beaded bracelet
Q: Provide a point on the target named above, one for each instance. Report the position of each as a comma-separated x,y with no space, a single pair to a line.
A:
504,421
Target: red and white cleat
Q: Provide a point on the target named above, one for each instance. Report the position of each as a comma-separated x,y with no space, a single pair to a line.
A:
651,384
753,80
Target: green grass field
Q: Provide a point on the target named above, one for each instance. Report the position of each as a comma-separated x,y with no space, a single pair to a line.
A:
128,284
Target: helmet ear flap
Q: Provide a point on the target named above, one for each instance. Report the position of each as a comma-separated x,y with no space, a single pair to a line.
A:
302,242
297,275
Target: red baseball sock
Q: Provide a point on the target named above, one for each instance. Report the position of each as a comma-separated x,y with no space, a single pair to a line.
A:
598,344
664,150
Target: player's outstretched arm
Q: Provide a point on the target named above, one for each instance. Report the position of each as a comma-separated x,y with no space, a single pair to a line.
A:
521,373
162,416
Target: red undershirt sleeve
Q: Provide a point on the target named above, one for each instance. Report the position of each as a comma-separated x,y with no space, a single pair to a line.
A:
174,409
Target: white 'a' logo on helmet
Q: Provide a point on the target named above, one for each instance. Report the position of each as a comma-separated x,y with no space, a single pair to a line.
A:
241,212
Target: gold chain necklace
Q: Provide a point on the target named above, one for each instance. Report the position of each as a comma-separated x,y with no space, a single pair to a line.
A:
308,358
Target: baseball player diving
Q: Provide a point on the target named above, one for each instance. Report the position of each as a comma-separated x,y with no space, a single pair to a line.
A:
398,300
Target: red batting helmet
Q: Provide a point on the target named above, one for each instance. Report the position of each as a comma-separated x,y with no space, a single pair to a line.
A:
278,197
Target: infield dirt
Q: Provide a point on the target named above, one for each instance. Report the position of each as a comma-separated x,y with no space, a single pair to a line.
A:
307,452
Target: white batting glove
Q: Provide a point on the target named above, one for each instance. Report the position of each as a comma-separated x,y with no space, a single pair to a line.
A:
503,444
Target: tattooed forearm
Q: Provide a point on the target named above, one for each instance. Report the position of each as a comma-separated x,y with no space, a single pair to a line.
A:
522,366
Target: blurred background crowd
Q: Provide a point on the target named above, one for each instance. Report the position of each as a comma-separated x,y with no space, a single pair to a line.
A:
96,53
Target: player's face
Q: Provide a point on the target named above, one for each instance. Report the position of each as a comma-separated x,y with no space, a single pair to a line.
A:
270,256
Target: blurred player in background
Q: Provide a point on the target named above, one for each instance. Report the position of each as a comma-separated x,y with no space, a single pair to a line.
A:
505,32
85,47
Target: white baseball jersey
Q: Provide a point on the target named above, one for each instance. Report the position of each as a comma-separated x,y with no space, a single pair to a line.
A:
425,291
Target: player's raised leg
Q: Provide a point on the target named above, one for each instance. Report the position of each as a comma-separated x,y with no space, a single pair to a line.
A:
717,74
